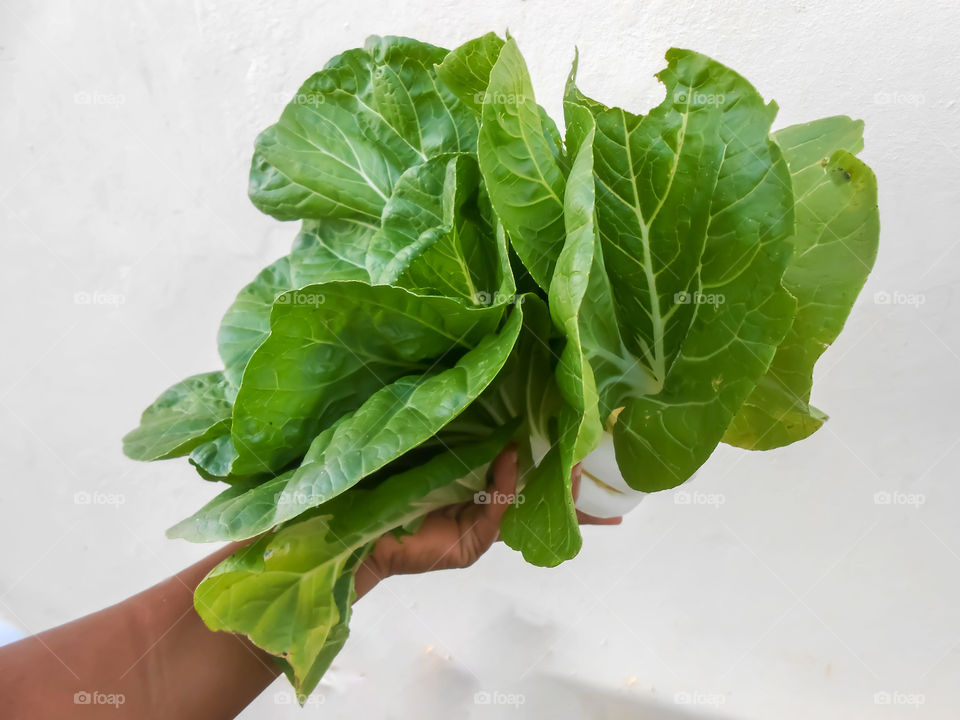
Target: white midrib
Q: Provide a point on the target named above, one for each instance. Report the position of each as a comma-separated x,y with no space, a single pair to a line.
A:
659,360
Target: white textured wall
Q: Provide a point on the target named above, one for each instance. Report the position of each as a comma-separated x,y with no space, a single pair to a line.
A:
125,133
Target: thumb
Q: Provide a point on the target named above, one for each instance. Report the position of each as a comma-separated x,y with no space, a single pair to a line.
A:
485,519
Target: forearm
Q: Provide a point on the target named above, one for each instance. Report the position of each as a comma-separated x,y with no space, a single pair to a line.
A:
150,656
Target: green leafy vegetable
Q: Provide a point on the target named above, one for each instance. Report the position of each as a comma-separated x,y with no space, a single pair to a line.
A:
464,277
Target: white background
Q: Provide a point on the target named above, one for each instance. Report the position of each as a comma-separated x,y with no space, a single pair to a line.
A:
125,135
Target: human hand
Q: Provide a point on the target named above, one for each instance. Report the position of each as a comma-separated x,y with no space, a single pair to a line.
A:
455,536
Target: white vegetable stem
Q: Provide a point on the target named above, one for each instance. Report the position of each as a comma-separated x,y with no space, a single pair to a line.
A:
603,491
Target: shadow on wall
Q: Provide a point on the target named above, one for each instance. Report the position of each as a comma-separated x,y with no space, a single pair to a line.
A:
561,698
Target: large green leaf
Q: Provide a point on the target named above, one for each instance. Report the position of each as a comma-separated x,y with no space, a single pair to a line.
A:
466,69
214,459
522,392
694,209
518,159
742,311
344,595
655,178
395,419
616,374
330,347
324,251
435,237
281,591
835,244
353,128
544,525
569,286
183,417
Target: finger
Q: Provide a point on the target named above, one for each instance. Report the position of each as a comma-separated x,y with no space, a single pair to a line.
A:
504,486
594,520
482,522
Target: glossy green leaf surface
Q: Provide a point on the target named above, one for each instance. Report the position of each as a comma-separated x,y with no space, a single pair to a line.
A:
834,246
568,288
353,128
742,310
542,522
466,69
695,265
544,526
436,237
282,590
390,422
183,417
655,178
520,166
581,290
330,347
325,251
